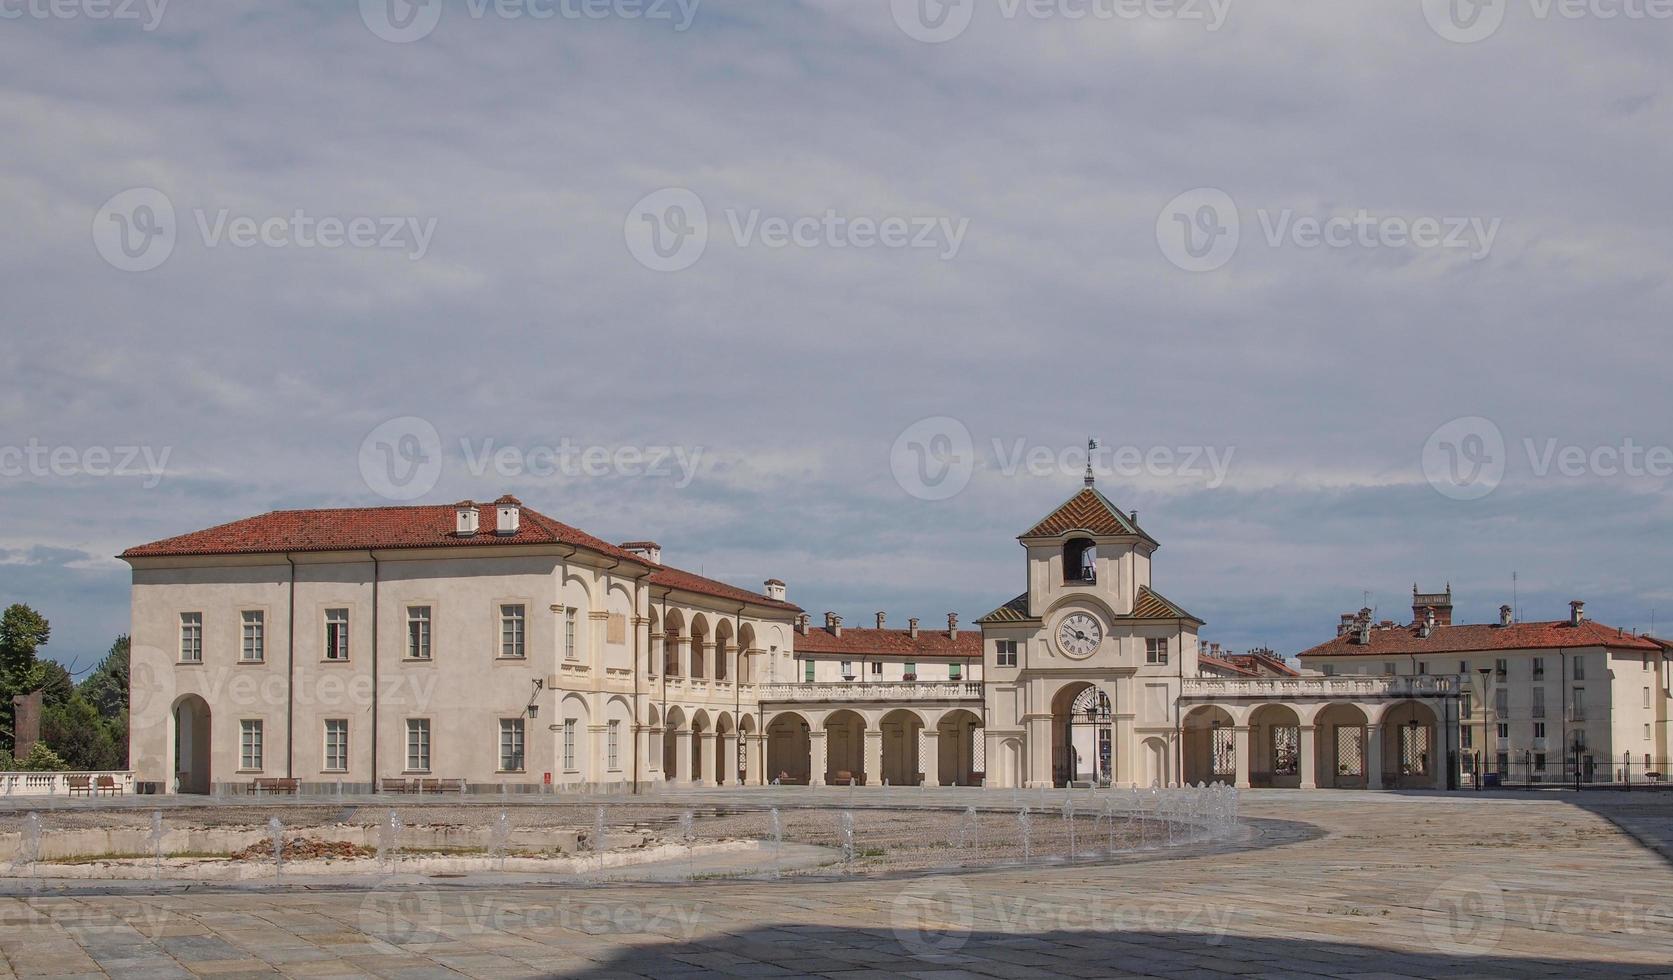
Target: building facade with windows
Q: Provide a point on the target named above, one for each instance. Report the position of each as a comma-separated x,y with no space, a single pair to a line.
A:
494,645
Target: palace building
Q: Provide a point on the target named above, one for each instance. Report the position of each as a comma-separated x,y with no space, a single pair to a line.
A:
495,645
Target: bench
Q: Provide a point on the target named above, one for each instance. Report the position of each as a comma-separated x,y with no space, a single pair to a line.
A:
80,784
441,786
108,784
265,786
394,786
845,778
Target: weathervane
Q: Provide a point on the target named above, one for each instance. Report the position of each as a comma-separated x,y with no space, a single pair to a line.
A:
1091,447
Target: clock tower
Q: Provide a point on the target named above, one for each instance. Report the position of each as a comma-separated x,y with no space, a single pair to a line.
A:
1081,671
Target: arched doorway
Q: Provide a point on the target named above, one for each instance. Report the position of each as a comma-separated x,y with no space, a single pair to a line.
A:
1210,746
191,745
845,757
1410,747
1275,746
788,754
1082,744
701,764
900,747
672,731
1339,743
958,733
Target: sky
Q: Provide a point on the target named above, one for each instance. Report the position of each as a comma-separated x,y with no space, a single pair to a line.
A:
1353,296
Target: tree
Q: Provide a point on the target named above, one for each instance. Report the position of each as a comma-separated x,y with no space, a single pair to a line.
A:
77,733
42,759
55,684
22,632
106,688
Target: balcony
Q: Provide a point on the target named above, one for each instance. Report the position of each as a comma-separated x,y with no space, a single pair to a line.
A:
1340,687
873,691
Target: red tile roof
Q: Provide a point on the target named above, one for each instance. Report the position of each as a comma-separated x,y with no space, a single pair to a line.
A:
1211,662
1470,638
1088,511
892,643
425,526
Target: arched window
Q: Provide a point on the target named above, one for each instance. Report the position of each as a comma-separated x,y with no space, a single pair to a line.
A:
1080,561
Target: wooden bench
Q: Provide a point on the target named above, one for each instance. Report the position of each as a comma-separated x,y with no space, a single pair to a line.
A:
394,786
441,786
108,785
80,784
271,785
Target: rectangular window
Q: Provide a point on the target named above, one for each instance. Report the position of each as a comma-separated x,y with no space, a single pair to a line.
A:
1539,729
848,670
1539,667
569,745
807,671
249,745
955,672
1466,706
569,634
511,631
1466,738
1501,702
418,745
1539,702
1423,666
1463,666
191,638
877,667
1646,697
1156,650
1539,761
1501,667
1388,667
336,745
418,632
254,649
1007,653
1330,670
336,634
1577,707
613,746
1503,729
911,671
1579,668
511,745
1646,731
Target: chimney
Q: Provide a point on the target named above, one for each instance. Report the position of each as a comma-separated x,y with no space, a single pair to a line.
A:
952,626
833,624
1345,625
1133,516
801,624
1429,617
1504,615
648,550
1576,612
775,589
912,627
879,620
1214,650
464,518
509,516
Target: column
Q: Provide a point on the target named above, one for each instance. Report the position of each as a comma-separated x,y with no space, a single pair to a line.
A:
1374,756
653,751
1309,759
754,747
874,756
706,758
1240,751
1038,751
816,757
1124,753
929,755
682,756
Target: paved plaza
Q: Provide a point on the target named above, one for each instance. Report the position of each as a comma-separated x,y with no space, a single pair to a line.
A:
1334,884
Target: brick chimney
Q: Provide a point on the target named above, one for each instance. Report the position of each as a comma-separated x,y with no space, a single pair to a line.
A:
833,624
1576,612
1505,613
801,624
912,627
952,626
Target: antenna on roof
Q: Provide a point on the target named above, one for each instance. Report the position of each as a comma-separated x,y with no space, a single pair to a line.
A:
1091,447
1515,613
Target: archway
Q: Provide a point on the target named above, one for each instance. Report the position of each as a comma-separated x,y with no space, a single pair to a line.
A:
900,747
958,733
699,647
654,643
747,653
1275,746
723,650
1339,746
672,732
845,757
702,764
1411,748
191,745
1210,746
726,752
672,639
1080,561
1082,744
789,758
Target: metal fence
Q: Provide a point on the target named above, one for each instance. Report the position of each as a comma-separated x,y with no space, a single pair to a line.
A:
1583,771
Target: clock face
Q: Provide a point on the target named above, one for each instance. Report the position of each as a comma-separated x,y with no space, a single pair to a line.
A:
1078,635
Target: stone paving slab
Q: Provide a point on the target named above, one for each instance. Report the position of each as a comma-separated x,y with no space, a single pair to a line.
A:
1380,886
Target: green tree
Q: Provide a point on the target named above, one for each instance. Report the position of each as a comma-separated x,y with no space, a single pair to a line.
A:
106,688
22,632
75,731
42,759
55,684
